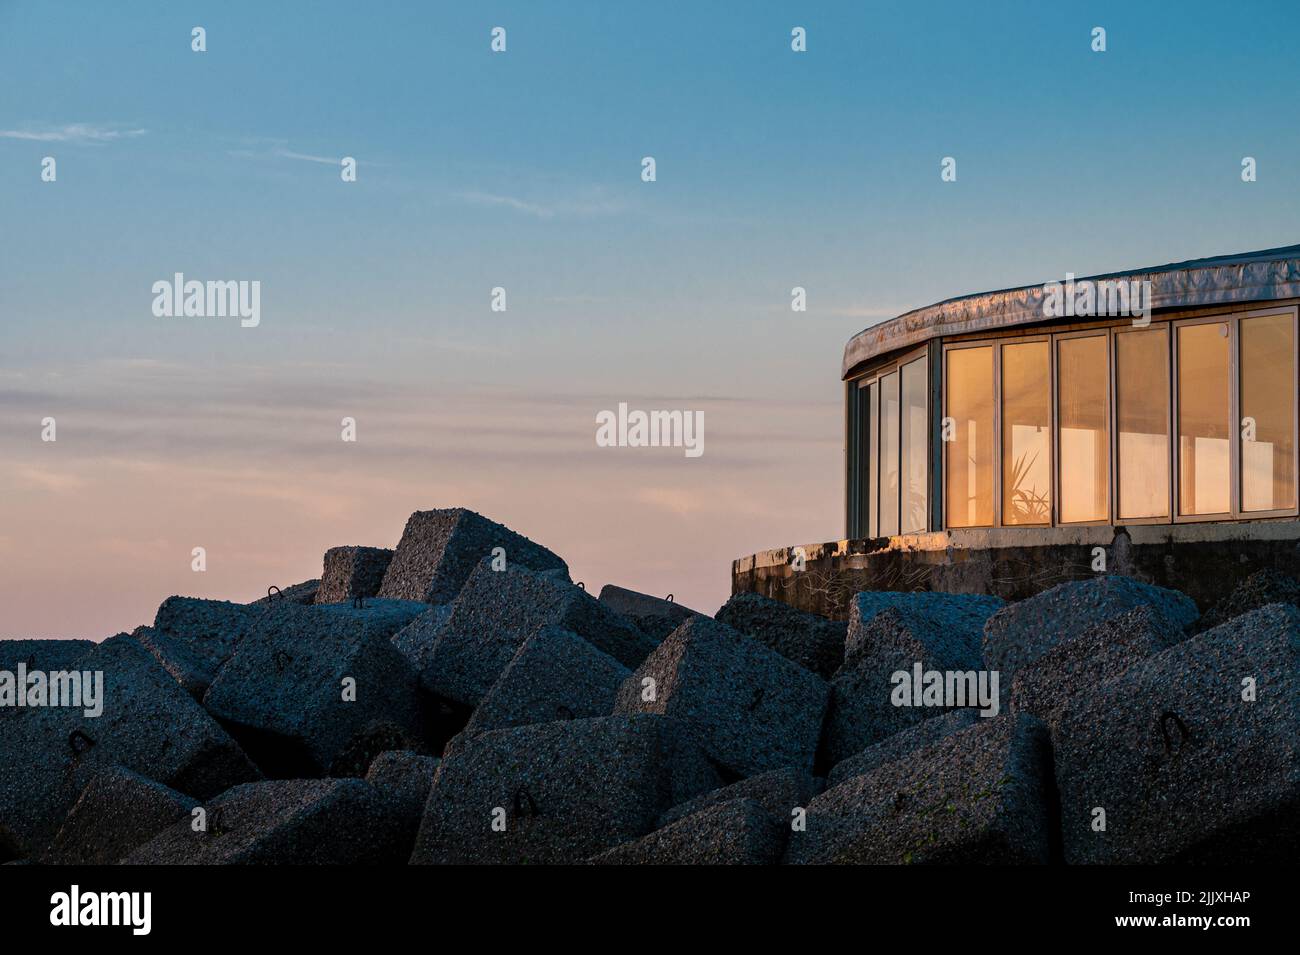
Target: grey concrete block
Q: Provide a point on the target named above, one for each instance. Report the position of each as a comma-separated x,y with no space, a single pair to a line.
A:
1264,587
736,832
656,617
303,594
563,791
813,642
282,693
1022,632
779,792
980,795
862,711
352,572
191,638
406,776
943,629
286,822
1078,666
382,617
498,610
902,744
416,640
751,708
1186,770
193,667
440,548
38,654
148,725
116,812
555,675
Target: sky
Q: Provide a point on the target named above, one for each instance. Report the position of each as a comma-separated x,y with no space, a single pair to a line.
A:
522,170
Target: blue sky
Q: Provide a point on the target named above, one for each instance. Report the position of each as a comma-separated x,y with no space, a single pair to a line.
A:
521,169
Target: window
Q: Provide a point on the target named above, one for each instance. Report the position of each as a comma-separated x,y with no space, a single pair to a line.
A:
968,447
1026,433
915,448
1268,395
1184,420
889,418
873,459
1142,421
1083,412
1204,418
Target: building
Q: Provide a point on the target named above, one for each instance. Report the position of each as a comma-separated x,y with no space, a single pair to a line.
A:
1140,422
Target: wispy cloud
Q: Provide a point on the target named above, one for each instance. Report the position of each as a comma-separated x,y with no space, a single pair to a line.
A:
79,133
279,149
306,157
596,205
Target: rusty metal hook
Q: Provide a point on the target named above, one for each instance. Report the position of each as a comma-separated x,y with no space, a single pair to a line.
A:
522,795
1165,717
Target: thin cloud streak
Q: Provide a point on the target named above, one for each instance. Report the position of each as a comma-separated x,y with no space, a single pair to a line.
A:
80,133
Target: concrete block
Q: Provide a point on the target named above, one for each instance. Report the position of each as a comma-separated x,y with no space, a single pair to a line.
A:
1104,651
736,832
440,548
116,812
406,776
555,675
1186,769
779,792
863,709
351,572
498,610
656,617
303,594
979,796
1264,587
943,629
813,642
286,822
558,792
148,725
902,744
284,692
751,709
1022,632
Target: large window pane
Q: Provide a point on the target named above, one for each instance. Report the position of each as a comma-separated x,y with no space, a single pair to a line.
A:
1026,434
1204,418
916,439
968,448
873,470
1268,396
1142,416
1083,412
889,455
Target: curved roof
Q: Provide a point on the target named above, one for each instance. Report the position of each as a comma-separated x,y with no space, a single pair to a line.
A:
1241,277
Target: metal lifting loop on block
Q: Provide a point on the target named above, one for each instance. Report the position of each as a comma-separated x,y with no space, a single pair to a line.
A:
1185,734
79,742
581,585
669,598
269,597
522,797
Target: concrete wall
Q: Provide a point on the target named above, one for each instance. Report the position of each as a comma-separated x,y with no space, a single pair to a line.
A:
1203,560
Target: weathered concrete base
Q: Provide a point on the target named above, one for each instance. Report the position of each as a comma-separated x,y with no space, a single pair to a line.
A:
1204,560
